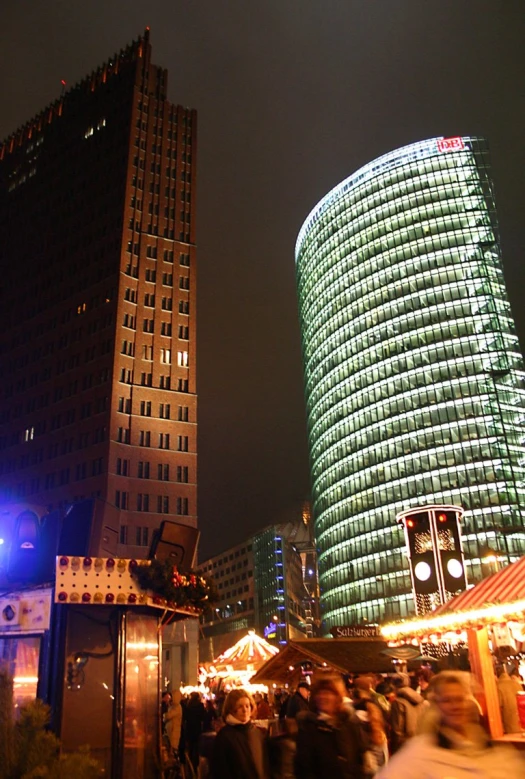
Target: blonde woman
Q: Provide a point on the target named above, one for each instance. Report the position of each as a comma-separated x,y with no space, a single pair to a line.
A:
453,745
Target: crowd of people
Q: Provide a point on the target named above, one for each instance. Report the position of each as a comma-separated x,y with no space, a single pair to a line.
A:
358,728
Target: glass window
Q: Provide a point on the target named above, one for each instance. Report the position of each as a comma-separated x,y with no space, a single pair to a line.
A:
20,656
89,683
141,697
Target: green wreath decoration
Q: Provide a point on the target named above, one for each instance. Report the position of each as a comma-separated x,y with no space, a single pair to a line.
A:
163,580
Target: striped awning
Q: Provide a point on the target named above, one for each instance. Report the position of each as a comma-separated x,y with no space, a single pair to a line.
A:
505,586
498,599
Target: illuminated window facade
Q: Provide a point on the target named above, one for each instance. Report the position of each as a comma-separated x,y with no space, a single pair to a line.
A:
414,379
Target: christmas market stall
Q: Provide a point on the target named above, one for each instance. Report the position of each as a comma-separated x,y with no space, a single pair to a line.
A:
488,619
89,645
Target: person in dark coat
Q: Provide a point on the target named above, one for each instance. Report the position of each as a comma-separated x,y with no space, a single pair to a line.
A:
193,718
298,701
330,743
239,751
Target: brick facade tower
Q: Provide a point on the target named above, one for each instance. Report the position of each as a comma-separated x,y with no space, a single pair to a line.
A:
97,302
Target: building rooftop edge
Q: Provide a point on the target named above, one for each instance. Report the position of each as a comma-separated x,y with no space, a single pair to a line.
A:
418,149
132,48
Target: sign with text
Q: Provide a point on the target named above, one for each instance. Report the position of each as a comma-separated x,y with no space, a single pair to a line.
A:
450,144
355,631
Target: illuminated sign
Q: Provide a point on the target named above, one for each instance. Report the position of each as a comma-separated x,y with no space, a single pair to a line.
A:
450,144
355,631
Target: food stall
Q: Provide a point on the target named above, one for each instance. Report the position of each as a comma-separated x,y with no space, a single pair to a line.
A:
488,619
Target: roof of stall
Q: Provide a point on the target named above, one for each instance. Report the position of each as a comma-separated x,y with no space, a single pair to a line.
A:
505,586
498,598
344,655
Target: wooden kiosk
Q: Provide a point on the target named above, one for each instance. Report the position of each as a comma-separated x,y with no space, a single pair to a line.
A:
90,646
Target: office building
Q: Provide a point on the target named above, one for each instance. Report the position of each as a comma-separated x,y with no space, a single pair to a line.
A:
268,583
234,612
414,378
282,601
97,303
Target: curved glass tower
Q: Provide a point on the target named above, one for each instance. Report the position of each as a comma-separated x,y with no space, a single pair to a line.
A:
414,378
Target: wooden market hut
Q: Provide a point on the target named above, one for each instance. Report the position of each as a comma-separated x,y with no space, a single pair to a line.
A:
342,655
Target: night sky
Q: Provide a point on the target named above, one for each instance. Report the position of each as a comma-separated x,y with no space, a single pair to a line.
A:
292,97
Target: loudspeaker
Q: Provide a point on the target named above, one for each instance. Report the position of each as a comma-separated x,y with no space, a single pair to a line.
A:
90,528
28,543
176,543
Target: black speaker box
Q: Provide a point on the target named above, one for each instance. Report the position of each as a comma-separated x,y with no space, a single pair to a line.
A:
90,528
29,536
176,543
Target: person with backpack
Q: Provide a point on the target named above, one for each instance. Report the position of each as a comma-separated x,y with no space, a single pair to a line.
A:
405,711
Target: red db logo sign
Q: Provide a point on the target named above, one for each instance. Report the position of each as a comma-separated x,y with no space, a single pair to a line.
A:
450,144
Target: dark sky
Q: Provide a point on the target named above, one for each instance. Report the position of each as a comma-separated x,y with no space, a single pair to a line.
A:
293,96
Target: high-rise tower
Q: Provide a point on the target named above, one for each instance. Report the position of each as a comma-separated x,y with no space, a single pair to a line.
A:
97,301
413,374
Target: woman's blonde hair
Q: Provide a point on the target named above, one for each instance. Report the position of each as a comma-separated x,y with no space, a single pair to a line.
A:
448,677
232,701
430,719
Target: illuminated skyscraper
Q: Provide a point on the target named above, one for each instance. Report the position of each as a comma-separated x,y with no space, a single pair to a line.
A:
98,301
414,378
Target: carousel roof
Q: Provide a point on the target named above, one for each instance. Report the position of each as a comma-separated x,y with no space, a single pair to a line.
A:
250,650
499,598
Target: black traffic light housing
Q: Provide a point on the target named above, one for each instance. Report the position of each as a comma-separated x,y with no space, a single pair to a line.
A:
450,553
422,560
437,567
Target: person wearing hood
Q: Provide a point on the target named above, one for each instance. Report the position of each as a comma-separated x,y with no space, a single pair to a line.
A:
239,751
455,746
330,743
508,688
173,720
193,717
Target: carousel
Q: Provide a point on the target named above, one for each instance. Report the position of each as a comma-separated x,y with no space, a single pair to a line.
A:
487,622
235,667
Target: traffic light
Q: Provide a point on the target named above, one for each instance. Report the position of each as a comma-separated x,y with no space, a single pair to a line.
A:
422,560
450,552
